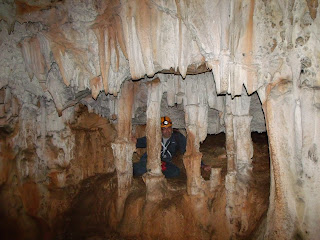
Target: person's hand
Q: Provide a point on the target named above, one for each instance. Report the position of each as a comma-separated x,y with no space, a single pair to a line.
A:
134,139
205,167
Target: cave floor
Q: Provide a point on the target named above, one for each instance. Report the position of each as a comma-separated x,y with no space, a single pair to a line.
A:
214,154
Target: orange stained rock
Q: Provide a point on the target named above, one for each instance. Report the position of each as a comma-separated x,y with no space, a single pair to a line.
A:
30,197
6,156
60,44
109,24
96,86
33,57
23,7
144,26
125,111
249,35
103,59
313,6
191,148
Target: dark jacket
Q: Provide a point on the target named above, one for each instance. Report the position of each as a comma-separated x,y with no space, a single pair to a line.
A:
177,142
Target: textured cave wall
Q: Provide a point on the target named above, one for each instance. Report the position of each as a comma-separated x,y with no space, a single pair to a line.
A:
53,54
43,159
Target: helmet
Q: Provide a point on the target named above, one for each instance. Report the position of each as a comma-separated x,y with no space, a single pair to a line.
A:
166,122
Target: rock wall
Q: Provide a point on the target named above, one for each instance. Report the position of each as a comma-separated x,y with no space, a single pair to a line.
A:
43,159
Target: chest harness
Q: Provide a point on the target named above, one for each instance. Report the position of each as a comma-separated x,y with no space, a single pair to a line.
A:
165,153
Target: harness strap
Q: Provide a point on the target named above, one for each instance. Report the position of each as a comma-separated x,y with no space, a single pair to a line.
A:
165,148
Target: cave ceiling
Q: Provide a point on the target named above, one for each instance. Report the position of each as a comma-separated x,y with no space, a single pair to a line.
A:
68,51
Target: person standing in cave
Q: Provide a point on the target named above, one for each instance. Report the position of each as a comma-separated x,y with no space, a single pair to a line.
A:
172,141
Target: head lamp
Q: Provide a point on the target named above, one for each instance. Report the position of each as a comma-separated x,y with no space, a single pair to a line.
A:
166,122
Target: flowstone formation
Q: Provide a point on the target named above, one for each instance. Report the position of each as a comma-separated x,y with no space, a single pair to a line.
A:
76,75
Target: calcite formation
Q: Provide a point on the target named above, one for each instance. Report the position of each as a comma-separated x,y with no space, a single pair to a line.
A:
210,64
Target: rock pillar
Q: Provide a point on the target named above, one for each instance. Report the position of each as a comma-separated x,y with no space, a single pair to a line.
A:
230,142
155,180
239,153
293,117
243,146
123,147
196,118
192,157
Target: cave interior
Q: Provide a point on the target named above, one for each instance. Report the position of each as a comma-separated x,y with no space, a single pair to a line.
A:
80,79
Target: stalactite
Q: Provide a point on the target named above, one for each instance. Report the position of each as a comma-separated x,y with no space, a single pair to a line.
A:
211,91
313,6
103,59
131,40
180,89
96,86
108,28
171,91
143,24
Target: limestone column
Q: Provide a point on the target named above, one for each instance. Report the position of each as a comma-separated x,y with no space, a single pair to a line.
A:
243,146
192,157
196,118
229,142
238,134
123,147
155,180
239,152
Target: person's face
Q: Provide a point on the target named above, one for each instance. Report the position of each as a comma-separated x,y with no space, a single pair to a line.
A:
166,132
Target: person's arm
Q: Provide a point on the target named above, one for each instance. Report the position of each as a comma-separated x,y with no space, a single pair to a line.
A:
182,142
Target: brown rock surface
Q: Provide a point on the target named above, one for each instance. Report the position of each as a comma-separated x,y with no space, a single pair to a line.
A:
178,216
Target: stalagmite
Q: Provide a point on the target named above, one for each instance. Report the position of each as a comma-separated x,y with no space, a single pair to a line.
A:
215,178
